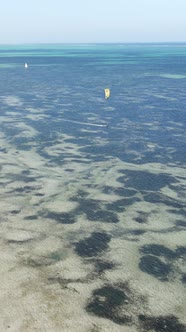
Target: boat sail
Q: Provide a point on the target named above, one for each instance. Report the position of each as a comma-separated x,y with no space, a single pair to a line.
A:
26,65
107,93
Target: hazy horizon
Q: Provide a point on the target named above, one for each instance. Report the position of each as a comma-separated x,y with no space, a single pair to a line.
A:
95,43
92,22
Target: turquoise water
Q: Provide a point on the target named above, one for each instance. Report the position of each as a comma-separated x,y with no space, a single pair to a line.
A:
93,190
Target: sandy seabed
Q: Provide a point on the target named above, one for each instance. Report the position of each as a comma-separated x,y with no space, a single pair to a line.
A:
53,273
88,245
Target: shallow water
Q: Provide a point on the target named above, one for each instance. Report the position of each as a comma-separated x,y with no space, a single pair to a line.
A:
92,190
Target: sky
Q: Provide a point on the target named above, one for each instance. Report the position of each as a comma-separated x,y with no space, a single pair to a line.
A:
92,21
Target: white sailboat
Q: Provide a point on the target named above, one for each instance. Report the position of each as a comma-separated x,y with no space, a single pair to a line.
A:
26,65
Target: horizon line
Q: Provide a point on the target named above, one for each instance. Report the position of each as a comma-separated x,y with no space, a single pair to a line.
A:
94,43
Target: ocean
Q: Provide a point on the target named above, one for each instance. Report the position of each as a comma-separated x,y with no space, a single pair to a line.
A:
92,190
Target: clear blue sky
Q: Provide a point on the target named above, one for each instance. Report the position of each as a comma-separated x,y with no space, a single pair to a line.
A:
89,21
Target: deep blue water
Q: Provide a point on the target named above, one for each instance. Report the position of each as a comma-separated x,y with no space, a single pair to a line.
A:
70,82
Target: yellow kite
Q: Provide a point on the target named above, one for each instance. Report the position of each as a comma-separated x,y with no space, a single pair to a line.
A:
107,93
